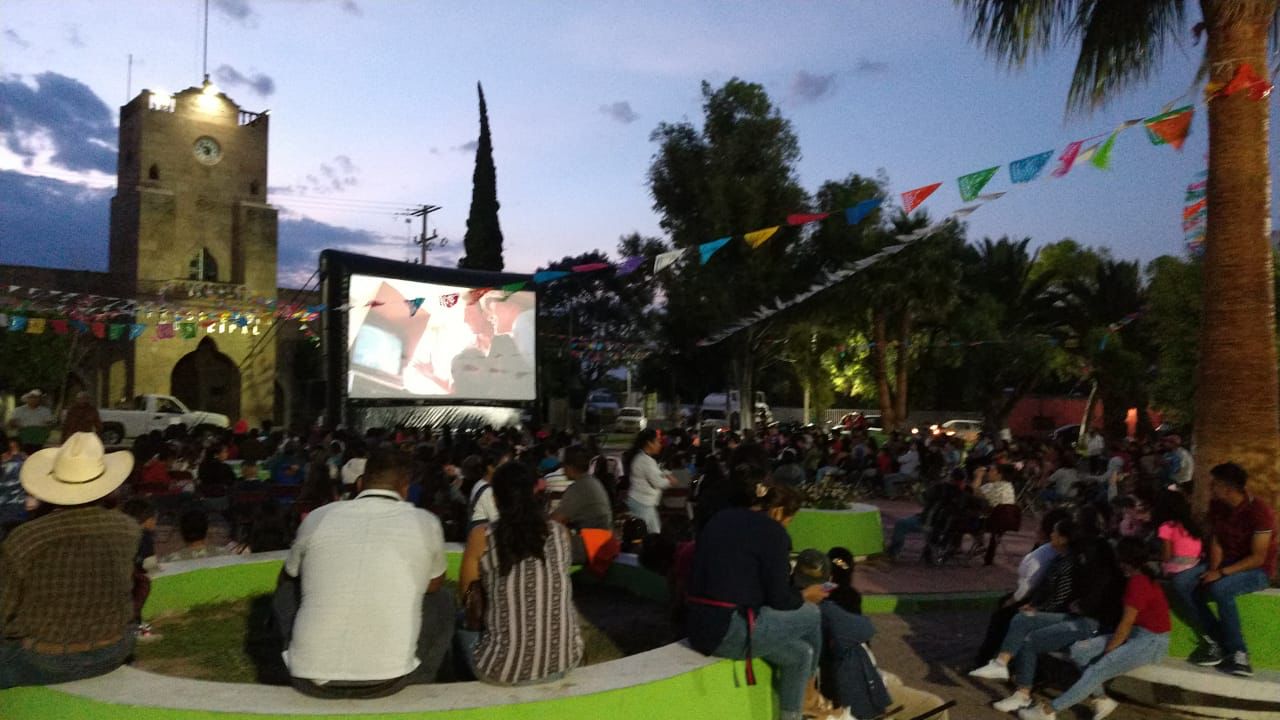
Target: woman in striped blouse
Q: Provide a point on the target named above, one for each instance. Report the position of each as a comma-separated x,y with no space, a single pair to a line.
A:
522,561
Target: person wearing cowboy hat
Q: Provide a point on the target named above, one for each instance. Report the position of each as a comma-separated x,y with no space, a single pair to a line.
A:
32,420
66,577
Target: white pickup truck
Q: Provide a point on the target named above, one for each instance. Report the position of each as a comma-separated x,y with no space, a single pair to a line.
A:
153,412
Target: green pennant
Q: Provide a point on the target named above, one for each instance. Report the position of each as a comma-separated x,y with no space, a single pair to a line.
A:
972,184
1102,156
187,330
510,288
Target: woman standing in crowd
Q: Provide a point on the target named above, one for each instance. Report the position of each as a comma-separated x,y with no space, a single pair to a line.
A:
646,478
742,602
521,560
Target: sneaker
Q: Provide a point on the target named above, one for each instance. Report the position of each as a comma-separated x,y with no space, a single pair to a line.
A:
1013,703
1237,664
1208,654
993,670
1037,712
1104,706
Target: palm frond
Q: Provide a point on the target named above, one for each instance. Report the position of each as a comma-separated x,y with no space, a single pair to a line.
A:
1017,30
1121,44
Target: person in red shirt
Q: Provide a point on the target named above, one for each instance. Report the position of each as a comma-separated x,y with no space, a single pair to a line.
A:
1242,559
1141,638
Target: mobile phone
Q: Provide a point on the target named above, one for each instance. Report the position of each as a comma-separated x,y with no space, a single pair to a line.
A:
829,586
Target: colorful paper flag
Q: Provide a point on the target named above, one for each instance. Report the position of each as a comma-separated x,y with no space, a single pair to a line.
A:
82,327
187,330
630,265
1067,159
590,267
59,327
415,304
1171,127
35,326
545,276
707,249
859,212
514,287
912,199
136,330
756,238
99,330
666,259
1101,159
965,211
115,331
17,323
1029,168
991,197
805,218
972,184
1192,210
1246,78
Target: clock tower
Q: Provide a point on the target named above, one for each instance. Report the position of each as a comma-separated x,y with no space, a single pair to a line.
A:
191,231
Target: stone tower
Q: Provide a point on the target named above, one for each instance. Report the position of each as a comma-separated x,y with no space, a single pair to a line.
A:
191,227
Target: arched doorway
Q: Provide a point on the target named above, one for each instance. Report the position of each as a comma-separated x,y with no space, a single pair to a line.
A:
205,379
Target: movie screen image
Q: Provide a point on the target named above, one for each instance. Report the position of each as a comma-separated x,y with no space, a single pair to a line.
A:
462,343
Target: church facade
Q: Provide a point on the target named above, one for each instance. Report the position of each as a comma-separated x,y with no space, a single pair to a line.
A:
191,227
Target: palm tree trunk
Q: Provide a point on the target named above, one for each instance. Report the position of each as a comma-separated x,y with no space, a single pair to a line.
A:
1236,403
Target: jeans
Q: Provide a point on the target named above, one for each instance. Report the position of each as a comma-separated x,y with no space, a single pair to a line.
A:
647,513
434,642
997,626
789,640
1142,648
1031,635
1224,628
901,529
19,666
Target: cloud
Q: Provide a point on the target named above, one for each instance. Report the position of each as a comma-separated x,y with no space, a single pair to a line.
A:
60,114
620,111
866,66
260,83
73,36
351,8
238,10
302,239
467,147
12,36
333,176
807,87
51,223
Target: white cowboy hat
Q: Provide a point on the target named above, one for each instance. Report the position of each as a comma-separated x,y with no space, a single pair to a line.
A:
33,394
76,473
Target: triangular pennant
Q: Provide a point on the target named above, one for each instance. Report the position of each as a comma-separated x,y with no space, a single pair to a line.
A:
187,330
415,304
804,218
1101,159
1067,159
912,199
59,327
630,265
1195,195
590,267
35,326
1087,153
666,259
989,197
1192,210
1245,78
136,330
545,276
1029,168
115,331
757,238
707,249
17,323
965,211
859,212
514,287
100,329
83,327
1171,127
972,184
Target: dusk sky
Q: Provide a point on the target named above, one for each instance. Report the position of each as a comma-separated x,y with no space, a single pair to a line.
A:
373,109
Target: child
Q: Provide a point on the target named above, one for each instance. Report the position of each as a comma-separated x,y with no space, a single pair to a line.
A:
1180,535
143,511
849,676
844,594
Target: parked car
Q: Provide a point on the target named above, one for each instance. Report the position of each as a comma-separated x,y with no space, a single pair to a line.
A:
730,404
631,420
967,430
600,410
154,412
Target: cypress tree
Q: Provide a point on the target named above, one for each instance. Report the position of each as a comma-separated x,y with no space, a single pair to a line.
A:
483,241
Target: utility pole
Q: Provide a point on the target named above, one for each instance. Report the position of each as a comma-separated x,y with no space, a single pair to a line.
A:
424,241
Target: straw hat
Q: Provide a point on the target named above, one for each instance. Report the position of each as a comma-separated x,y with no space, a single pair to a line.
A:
76,473
32,394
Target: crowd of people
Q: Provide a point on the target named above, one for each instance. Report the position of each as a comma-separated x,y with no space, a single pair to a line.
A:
374,510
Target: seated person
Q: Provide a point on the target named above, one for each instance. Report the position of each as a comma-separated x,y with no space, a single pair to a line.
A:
143,512
359,601
1140,638
585,503
193,524
844,594
521,560
1241,559
155,472
65,577
848,675
940,499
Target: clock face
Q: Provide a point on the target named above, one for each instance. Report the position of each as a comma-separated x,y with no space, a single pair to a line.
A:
207,150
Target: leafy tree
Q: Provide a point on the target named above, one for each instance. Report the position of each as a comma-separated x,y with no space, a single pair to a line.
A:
483,241
1173,315
35,361
1237,402
733,175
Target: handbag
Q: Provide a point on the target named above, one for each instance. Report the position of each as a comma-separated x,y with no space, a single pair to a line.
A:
473,606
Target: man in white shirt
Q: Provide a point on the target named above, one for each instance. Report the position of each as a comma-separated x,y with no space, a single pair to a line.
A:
908,469
32,421
370,617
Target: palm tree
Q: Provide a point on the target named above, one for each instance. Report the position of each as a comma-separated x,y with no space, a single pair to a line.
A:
1237,403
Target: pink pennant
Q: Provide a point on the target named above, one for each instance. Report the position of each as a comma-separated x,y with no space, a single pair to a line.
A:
804,218
912,199
590,267
1067,159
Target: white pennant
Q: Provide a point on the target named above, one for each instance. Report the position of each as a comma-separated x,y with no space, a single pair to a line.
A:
666,259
